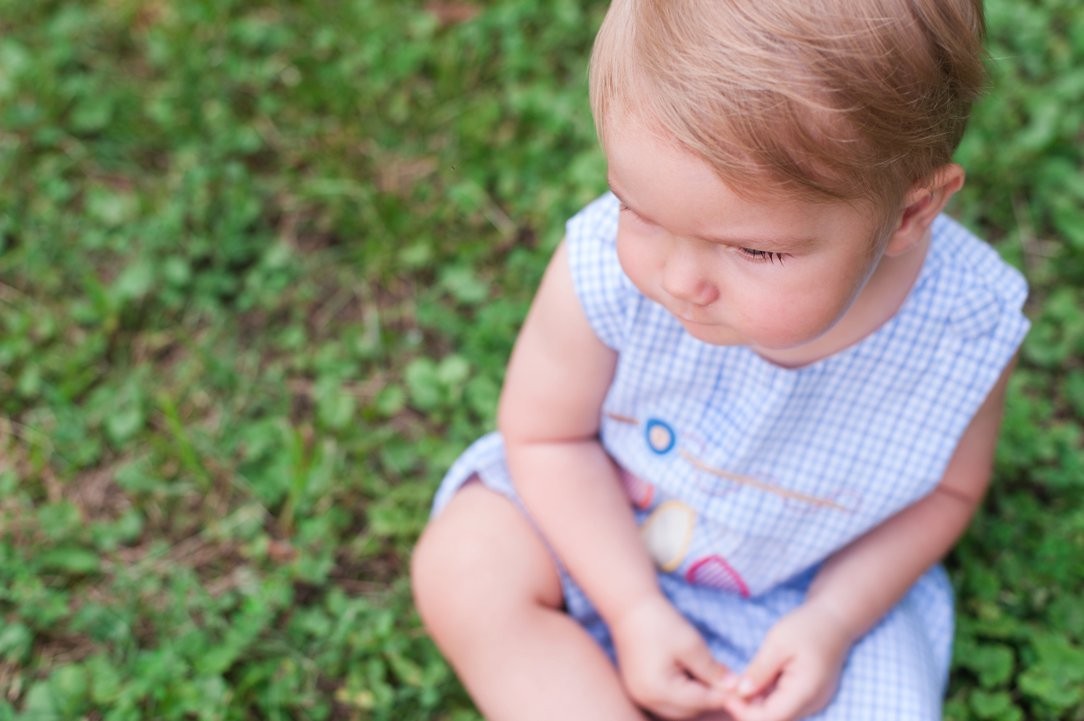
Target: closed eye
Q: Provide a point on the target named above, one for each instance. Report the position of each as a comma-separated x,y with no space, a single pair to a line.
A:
763,256
626,209
752,254
639,222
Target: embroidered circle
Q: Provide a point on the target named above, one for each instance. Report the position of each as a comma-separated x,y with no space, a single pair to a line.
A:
660,436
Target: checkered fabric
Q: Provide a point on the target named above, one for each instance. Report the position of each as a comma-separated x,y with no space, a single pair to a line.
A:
745,476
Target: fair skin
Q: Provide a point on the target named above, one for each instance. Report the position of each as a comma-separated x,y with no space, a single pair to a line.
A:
794,281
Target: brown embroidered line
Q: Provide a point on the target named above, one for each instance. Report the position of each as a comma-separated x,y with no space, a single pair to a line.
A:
743,480
761,485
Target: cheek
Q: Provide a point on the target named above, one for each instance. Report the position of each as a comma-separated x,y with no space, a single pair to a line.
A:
636,258
797,313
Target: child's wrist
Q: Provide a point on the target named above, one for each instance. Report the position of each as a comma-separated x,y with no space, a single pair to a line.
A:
631,607
837,617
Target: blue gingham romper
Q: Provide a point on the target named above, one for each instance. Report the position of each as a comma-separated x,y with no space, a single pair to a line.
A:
745,476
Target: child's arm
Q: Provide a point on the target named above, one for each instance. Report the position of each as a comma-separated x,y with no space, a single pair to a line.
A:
549,416
857,586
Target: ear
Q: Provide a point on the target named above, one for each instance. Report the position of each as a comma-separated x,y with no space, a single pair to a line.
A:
922,204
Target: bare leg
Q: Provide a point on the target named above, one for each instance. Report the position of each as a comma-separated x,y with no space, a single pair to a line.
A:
489,593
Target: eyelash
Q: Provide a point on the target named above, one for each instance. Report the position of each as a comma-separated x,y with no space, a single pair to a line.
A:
763,256
752,254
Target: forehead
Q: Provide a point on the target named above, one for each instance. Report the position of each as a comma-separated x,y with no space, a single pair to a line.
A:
680,192
642,159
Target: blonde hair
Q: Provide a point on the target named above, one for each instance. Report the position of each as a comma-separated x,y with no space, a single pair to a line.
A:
830,99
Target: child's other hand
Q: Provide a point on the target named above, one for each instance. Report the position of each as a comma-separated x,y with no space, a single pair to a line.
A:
796,671
665,665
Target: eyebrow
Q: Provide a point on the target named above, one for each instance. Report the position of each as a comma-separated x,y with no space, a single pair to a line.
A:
788,244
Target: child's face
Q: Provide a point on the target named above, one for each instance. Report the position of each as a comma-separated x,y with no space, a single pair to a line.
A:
773,274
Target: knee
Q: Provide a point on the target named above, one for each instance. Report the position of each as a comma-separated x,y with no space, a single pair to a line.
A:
430,574
446,575
478,563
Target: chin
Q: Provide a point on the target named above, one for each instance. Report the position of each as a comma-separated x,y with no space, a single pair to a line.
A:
796,354
713,334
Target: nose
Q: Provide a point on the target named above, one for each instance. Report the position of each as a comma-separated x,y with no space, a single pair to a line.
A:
683,278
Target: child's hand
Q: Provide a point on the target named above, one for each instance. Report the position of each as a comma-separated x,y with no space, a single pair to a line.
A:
665,665
796,670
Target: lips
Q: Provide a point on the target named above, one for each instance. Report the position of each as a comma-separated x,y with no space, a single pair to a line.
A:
691,320
685,315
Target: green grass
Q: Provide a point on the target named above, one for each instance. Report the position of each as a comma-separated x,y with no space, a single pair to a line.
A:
260,268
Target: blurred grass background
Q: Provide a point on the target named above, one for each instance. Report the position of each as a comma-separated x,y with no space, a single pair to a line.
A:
260,268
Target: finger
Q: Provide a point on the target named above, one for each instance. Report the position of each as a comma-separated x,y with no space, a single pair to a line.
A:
698,662
694,685
688,697
673,695
790,699
770,709
763,671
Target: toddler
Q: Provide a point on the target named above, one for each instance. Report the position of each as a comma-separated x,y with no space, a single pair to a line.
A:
756,397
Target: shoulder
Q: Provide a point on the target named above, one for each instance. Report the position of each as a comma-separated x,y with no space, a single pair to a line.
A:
597,219
975,289
971,257
605,292
968,322
591,236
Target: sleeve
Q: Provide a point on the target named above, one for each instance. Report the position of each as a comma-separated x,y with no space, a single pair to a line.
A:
606,294
987,322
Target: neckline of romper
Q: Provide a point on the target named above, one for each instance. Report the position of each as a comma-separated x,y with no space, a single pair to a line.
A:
878,337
